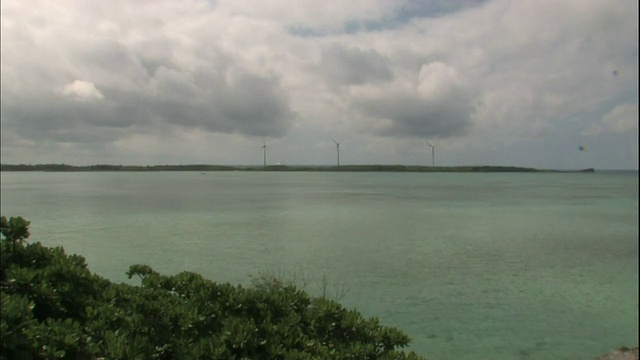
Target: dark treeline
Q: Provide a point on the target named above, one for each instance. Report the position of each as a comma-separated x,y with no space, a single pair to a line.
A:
104,167
346,168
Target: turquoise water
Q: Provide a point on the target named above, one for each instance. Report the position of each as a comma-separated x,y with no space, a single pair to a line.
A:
472,266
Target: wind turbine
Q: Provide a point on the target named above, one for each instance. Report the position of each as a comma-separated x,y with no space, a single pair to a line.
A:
264,148
433,157
338,149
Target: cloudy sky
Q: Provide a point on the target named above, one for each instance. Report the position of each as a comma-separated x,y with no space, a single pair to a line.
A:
496,82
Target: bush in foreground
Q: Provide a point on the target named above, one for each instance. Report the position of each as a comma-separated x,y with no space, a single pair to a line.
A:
53,307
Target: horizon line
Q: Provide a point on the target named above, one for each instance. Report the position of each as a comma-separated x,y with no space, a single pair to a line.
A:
298,165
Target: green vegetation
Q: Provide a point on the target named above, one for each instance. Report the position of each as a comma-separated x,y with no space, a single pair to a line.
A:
342,168
54,307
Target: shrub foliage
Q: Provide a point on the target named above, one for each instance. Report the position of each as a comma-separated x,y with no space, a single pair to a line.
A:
54,307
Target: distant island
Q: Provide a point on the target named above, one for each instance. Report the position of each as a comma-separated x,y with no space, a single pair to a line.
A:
341,168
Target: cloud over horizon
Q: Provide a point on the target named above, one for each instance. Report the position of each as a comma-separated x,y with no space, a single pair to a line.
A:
494,82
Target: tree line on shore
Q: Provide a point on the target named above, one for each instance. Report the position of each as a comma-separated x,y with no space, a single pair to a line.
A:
203,167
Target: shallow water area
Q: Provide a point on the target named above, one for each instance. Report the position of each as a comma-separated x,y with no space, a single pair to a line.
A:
471,265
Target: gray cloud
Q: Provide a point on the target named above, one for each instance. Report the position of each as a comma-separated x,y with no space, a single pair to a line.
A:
223,99
437,105
66,119
412,116
249,104
352,66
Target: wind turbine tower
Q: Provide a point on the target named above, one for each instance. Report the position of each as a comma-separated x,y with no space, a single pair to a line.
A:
264,148
433,156
338,149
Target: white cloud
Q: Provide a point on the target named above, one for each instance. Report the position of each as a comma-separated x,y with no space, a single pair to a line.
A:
437,80
82,91
623,119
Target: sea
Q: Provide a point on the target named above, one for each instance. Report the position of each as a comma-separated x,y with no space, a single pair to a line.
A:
469,265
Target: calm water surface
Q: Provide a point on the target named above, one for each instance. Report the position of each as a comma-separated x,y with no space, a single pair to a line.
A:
472,266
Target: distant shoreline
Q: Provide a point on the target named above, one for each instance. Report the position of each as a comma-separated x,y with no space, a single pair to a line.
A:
342,168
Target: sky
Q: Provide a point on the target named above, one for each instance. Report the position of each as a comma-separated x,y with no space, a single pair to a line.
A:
537,83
